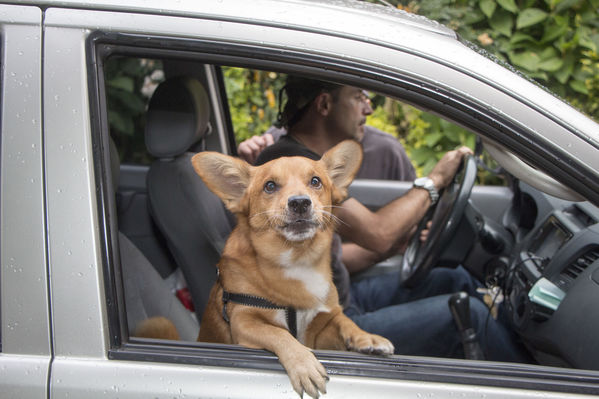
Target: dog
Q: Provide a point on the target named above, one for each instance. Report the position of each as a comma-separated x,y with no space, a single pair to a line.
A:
274,289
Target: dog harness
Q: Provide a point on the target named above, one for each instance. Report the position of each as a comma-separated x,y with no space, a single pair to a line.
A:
258,302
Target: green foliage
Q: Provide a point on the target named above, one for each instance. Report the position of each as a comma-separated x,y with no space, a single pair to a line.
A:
555,42
129,85
425,137
253,101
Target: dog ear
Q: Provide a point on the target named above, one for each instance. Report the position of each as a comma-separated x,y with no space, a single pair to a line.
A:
225,176
342,163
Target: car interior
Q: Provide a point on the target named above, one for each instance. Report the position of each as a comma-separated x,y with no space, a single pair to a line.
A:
533,239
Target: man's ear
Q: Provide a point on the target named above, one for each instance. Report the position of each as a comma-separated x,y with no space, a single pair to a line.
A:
342,163
225,176
323,103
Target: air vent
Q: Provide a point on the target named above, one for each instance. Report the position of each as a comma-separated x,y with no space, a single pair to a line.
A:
576,268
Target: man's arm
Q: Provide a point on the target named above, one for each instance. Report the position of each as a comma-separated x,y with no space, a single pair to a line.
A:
355,258
386,230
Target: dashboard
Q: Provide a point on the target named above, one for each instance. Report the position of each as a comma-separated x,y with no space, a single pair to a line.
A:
552,283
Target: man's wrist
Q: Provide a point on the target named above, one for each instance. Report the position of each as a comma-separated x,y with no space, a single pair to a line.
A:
428,184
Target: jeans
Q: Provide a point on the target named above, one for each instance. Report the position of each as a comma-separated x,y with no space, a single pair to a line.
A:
418,320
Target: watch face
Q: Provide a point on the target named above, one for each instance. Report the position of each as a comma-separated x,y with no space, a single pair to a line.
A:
423,182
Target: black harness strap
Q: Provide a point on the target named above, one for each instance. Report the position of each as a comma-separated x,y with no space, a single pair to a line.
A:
258,302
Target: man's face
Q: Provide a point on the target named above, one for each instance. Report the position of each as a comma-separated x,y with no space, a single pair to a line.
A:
350,107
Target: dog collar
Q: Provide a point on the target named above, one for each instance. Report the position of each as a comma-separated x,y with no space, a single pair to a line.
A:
258,302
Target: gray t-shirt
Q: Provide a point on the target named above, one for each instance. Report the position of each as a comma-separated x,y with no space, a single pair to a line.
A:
384,156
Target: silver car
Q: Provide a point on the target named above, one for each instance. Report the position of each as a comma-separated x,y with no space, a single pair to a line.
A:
93,239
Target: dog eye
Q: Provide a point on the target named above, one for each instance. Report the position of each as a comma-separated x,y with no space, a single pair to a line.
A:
270,187
316,182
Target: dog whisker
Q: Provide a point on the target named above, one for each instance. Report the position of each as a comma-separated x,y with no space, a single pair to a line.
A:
333,217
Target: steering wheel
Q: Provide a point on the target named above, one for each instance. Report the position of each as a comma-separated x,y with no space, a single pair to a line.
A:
419,258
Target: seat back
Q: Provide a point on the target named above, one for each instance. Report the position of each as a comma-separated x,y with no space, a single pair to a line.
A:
192,219
147,293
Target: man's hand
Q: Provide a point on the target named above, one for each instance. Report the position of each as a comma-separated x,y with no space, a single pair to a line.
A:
424,232
447,167
249,149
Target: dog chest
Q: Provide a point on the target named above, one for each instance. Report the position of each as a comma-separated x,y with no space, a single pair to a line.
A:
303,270
304,318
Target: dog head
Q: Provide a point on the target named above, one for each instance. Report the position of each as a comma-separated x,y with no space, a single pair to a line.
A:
294,196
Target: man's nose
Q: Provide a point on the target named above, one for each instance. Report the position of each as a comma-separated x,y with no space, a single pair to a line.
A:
299,204
367,107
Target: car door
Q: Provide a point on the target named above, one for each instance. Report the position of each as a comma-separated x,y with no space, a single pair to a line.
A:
95,353
26,346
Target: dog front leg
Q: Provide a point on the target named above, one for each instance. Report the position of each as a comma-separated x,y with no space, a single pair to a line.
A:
340,330
305,372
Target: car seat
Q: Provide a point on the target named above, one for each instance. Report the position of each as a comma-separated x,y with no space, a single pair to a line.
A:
192,219
147,293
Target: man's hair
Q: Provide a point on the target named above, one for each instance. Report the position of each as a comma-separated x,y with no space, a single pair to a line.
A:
300,92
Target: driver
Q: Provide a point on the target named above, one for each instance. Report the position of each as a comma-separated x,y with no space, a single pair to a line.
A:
318,115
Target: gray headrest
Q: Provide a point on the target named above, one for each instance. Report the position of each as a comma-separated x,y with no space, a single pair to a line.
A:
178,117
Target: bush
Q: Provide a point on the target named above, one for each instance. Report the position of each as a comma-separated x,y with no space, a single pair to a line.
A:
554,42
253,101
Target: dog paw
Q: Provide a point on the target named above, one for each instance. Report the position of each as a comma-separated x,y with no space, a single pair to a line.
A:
306,374
370,344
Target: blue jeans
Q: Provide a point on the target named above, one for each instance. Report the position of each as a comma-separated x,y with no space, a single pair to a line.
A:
418,320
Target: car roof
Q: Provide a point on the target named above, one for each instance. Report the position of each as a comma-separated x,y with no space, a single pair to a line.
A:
351,15
366,23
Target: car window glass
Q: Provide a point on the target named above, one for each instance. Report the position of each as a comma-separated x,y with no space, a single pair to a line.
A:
130,83
148,261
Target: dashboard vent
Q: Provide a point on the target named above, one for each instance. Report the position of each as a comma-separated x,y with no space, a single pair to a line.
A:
576,268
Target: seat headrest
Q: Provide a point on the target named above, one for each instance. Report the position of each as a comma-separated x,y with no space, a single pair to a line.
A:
178,117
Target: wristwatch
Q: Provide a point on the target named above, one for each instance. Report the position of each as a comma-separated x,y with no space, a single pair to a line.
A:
427,184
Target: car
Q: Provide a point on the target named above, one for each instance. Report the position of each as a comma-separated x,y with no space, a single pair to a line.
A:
93,238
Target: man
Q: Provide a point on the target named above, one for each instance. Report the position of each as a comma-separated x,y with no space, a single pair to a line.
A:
319,115
384,156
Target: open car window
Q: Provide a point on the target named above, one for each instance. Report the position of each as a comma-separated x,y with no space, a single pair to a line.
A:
151,274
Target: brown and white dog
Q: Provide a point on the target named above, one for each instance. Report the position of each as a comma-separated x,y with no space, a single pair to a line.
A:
277,261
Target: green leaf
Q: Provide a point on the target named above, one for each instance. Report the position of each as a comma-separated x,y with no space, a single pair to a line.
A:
579,86
122,123
566,4
502,22
538,75
129,102
488,7
122,82
564,73
519,37
526,59
557,29
530,17
551,64
509,5
586,41
421,155
433,138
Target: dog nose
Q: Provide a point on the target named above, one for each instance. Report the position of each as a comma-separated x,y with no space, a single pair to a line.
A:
299,203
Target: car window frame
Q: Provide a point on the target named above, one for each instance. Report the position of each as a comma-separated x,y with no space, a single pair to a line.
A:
122,347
